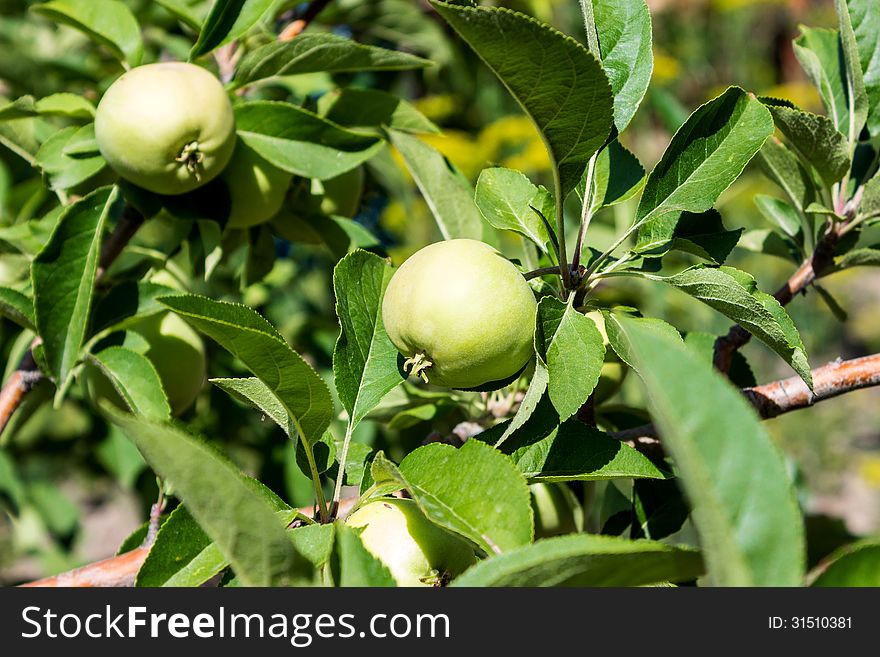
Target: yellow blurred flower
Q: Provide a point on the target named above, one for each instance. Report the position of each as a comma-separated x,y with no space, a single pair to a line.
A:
666,68
733,5
438,108
869,469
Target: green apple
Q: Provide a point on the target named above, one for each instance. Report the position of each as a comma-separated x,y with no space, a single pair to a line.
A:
461,313
416,551
256,188
176,351
614,370
166,127
342,194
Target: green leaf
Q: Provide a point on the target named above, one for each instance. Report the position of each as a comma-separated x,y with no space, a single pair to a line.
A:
869,208
475,491
744,506
863,257
574,451
357,567
240,520
364,360
108,22
617,177
624,30
781,214
136,380
770,242
783,167
191,16
183,554
127,303
586,560
865,18
82,142
816,139
734,294
821,54
622,346
19,136
853,565
508,200
19,108
314,542
63,169
301,142
250,338
706,155
557,81
740,373
446,191
702,235
320,52
63,276
258,394
533,397
68,105
16,306
355,108
228,20
573,351
856,95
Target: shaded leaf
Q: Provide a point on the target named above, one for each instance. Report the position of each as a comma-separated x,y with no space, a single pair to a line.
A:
63,276
249,337
108,22
445,190
586,560
743,501
228,20
364,359
301,142
320,52
624,31
242,523
572,350
135,379
706,155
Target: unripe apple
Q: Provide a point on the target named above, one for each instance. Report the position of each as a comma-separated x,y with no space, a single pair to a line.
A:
256,187
461,313
555,509
176,351
166,127
416,551
342,194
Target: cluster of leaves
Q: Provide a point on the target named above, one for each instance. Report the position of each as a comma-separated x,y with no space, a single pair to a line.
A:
723,473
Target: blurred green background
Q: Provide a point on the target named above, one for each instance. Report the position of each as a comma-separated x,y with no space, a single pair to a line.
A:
73,488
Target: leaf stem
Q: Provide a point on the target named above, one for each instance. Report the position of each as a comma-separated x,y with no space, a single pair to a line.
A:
586,212
319,493
564,270
543,271
343,456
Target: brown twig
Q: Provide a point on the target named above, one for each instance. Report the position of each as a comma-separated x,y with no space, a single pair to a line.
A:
812,268
28,373
772,399
121,570
117,571
295,28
